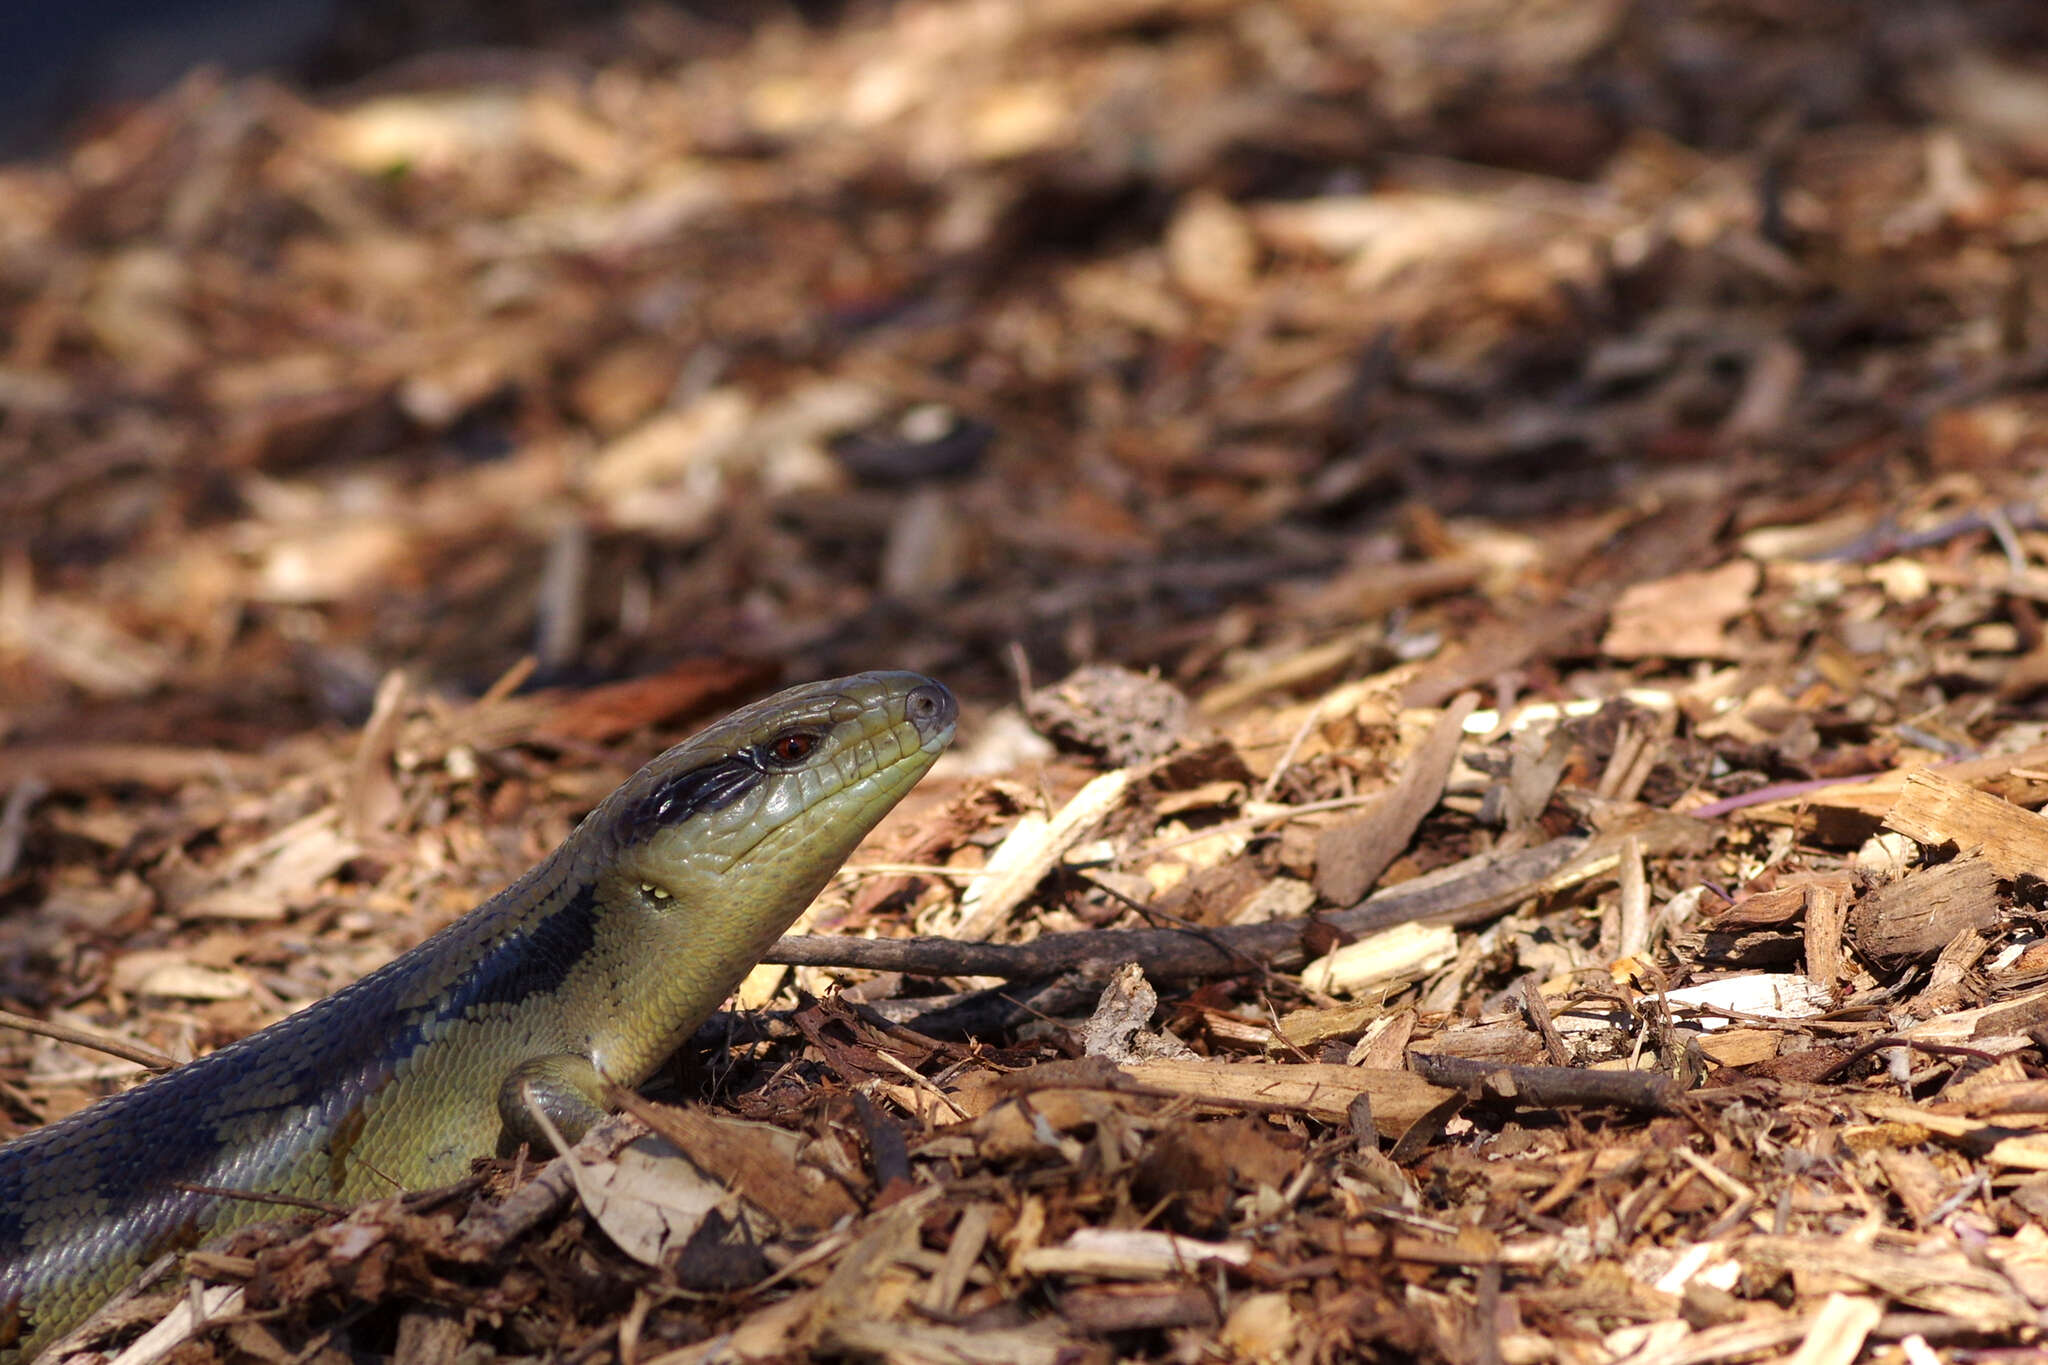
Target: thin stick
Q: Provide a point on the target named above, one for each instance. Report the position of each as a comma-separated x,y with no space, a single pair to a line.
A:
89,1038
1493,885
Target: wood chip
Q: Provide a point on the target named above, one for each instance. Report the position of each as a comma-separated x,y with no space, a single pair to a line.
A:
1399,1098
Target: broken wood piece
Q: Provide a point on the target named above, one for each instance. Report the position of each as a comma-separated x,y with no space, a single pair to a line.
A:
929,1343
1305,1028
1350,857
1935,810
1839,1330
1317,1089
1926,1277
1033,849
2001,1027
194,1314
1920,913
373,803
1995,1142
1137,1306
1949,978
1781,905
1504,644
1764,995
1850,809
1741,1046
1131,1254
1827,912
1400,953
1316,662
1538,1012
963,1251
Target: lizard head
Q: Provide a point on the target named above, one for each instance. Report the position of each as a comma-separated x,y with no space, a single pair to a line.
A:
778,793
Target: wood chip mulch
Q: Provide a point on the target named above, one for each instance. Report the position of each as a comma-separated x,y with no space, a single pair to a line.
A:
1493,554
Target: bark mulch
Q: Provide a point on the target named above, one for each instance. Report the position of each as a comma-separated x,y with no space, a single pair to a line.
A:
1494,555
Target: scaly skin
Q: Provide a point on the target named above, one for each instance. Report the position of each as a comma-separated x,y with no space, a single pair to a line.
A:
595,965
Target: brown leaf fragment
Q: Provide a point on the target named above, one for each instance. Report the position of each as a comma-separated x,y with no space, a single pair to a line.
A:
1200,1166
1210,895
280,872
1036,1124
593,715
1207,769
1685,616
1919,914
1350,857
649,1199
758,1161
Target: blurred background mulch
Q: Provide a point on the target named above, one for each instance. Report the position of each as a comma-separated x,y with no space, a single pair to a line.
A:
413,415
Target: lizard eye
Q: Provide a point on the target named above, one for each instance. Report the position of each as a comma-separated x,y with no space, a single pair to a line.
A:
792,747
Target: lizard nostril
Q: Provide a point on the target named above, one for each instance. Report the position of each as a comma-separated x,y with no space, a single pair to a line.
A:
930,707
